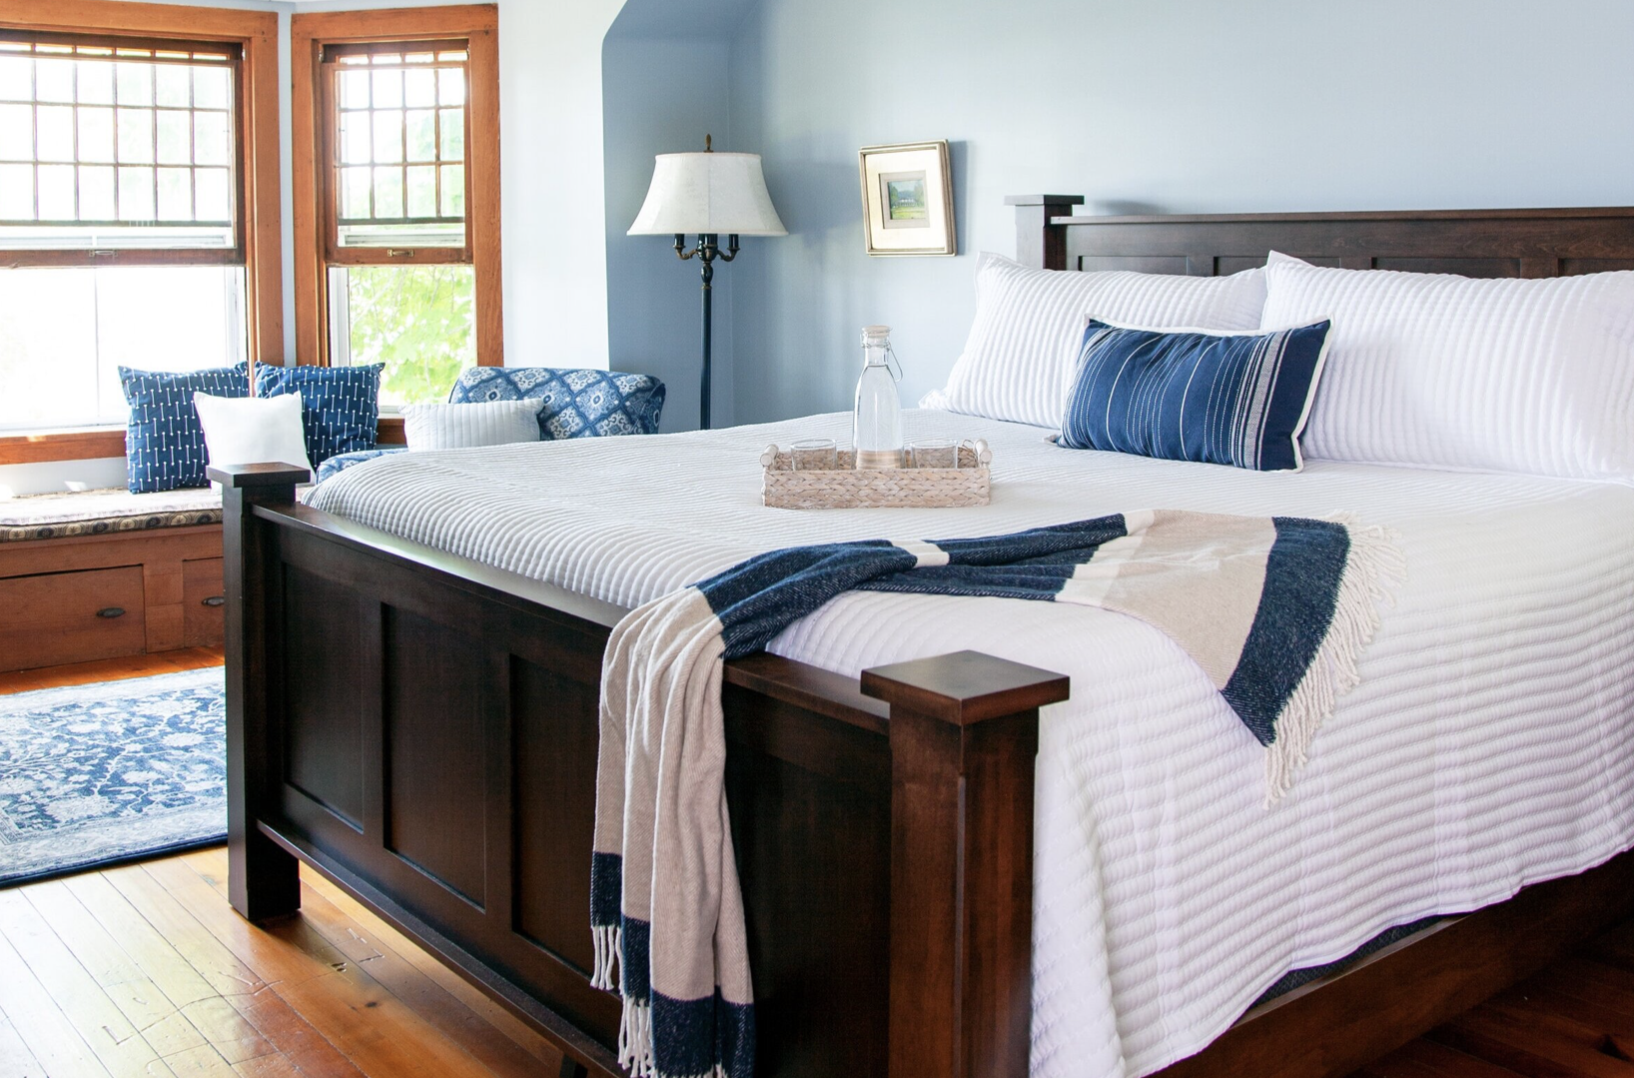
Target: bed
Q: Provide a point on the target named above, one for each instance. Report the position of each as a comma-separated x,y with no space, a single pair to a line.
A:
412,711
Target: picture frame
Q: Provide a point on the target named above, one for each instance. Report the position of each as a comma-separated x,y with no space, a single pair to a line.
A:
907,199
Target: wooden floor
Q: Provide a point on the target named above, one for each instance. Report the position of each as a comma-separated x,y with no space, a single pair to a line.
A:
146,971
168,662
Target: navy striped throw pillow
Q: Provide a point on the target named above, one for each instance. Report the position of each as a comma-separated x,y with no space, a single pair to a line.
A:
340,406
164,443
1217,398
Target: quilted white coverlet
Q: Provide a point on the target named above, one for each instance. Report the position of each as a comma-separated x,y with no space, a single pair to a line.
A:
1488,746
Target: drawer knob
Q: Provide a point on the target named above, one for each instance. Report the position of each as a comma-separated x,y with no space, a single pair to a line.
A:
214,600
111,612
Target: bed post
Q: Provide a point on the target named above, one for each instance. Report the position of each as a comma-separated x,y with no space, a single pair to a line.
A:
263,879
1039,243
963,737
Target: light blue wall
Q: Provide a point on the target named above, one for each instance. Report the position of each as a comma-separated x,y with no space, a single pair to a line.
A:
663,96
1172,105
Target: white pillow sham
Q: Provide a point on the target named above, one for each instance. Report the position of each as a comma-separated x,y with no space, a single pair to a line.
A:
253,430
1461,373
478,423
1018,361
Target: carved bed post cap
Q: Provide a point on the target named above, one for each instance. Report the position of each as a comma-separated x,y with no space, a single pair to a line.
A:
240,476
965,687
1043,200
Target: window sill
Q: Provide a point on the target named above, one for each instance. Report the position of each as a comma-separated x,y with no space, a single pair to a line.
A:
94,443
69,443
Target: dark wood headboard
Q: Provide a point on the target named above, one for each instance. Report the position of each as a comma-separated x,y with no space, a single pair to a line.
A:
1475,243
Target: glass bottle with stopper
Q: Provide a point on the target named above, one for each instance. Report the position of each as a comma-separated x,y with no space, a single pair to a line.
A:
877,422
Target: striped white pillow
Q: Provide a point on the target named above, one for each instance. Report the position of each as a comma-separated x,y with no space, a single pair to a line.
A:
463,426
1019,360
1461,373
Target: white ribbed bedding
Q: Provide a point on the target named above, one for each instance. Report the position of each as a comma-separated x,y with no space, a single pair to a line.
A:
1488,745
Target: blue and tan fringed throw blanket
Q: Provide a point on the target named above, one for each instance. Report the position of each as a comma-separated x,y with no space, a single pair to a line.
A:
1274,611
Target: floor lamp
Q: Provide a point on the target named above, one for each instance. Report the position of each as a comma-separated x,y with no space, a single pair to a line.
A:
708,194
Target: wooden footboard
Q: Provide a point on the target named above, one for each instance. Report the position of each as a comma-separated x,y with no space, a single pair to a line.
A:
423,730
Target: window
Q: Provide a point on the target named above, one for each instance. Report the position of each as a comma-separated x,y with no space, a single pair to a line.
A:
130,160
108,147
403,129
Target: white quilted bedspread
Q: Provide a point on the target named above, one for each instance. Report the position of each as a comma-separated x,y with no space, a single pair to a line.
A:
1487,747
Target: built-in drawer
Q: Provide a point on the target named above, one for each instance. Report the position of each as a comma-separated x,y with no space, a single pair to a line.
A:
71,617
203,617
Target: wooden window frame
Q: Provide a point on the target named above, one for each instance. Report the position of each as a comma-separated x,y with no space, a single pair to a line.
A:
237,254
334,253
478,26
256,35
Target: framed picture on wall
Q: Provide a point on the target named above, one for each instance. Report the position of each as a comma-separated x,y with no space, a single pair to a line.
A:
907,199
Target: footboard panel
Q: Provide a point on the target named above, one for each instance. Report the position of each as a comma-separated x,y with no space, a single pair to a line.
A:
810,801
424,730
444,751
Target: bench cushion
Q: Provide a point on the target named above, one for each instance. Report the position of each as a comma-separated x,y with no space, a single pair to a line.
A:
98,512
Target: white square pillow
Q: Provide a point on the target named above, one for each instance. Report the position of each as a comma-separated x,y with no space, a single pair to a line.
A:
1018,362
463,426
253,430
1461,373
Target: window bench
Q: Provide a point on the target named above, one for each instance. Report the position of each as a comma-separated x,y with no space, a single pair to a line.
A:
100,574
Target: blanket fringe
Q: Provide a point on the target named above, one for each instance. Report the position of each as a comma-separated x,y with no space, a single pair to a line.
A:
609,941
635,1044
1375,564
635,1039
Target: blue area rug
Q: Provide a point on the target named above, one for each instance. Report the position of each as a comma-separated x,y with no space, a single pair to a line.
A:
95,774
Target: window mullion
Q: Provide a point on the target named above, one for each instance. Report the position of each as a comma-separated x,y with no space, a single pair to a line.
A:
402,139
153,80
437,134
34,113
74,118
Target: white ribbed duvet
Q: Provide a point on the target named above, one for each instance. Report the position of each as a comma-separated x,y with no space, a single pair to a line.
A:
1487,747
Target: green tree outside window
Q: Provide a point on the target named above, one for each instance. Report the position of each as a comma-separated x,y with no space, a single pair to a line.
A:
417,320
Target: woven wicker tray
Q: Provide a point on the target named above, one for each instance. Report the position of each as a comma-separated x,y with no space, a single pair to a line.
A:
845,487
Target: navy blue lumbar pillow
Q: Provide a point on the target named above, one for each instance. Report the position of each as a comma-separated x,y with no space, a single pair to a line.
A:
1217,398
340,406
164,443
576,403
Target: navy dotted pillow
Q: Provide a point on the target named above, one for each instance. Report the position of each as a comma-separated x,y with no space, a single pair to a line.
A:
340,406
577,403
164,443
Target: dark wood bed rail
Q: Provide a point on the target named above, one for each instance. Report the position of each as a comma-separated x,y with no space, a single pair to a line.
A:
883,830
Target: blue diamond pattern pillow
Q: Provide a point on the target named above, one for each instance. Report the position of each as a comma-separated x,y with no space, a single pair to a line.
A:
164,443
336,465
577,403
340,406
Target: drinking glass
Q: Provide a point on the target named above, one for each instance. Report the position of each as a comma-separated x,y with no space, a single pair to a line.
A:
934,453
814,454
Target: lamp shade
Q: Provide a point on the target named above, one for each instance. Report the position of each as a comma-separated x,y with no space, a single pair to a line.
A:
712,193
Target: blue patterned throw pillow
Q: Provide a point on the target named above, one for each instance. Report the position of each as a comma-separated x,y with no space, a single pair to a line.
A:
577,403
1218,398
164,443
337,464
340,406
